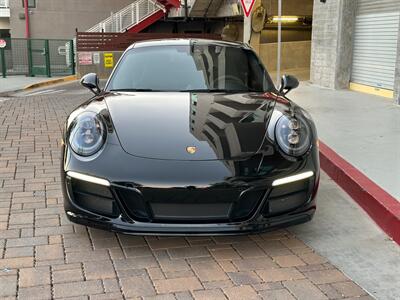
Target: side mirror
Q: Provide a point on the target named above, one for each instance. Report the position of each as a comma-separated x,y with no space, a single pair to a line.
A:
288,83
91,82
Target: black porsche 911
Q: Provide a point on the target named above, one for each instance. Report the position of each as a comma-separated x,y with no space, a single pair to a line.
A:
189,137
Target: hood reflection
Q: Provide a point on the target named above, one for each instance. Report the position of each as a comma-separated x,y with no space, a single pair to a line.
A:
230,128
234,126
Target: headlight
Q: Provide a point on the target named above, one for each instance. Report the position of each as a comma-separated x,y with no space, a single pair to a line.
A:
87,134
293,135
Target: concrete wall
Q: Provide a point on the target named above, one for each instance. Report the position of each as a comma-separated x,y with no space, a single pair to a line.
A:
332,40
99,69
397,73
295,55
229,8
59,18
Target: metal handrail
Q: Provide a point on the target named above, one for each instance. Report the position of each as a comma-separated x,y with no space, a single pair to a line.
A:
128,17
5,3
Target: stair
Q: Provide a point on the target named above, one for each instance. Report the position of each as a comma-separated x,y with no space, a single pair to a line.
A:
136,16
207,8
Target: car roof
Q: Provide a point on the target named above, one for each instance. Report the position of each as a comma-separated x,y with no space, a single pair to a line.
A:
185,42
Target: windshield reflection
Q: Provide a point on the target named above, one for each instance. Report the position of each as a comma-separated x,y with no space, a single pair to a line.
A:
195,68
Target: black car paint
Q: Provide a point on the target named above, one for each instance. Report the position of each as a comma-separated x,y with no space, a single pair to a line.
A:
142,154
252,168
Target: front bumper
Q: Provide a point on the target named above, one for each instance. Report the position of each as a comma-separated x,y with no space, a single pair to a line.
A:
106,209
137,228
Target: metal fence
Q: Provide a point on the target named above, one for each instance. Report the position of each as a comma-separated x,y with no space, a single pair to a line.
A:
37,57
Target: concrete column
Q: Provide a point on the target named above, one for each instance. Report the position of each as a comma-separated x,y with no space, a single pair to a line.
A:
332,43
397,73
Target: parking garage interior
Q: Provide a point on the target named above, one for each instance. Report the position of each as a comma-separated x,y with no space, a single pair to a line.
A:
296,35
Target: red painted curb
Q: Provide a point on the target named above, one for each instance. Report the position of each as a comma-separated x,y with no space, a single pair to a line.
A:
380,206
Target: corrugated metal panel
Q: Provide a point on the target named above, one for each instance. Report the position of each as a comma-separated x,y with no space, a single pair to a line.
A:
375,42
377,6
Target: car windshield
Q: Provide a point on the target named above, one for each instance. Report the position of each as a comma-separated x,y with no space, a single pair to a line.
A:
199,68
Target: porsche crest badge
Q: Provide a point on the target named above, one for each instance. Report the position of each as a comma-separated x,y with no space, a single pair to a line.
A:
191,149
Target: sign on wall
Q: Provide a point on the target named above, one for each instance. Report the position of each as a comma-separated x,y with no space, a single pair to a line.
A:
247,6
108,60
96,58
85,58
3,44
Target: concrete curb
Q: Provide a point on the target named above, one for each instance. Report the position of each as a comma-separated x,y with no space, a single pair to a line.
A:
379,205
50,82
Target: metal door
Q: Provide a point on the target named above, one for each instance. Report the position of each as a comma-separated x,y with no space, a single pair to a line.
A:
375,43
39,57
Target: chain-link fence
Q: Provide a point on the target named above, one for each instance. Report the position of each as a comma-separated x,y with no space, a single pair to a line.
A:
37,57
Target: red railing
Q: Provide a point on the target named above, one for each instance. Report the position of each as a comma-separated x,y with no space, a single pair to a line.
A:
106,41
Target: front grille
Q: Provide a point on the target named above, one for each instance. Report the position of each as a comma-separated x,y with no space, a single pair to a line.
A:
287,197
189,205
93,197
134,203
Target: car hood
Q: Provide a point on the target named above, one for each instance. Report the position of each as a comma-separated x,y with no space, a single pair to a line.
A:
190,126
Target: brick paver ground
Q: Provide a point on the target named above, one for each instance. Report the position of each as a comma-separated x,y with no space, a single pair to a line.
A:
44,256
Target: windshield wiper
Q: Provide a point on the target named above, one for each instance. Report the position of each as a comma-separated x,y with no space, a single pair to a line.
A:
134,90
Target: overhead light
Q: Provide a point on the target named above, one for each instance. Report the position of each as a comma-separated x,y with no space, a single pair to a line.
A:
293,178
88,178
285,19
